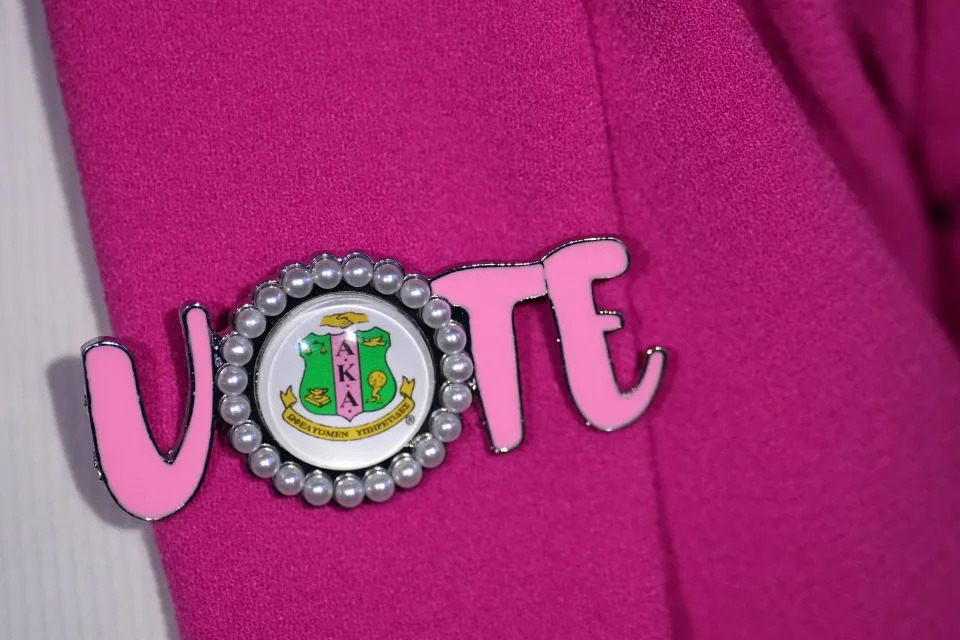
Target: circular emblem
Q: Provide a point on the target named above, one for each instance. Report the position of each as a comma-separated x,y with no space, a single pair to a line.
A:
338,377
344,380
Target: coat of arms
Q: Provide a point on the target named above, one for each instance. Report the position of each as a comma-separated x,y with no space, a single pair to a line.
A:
346,374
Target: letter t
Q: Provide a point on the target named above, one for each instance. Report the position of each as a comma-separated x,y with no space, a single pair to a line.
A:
489,293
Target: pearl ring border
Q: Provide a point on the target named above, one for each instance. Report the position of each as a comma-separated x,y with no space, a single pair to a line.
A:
251,323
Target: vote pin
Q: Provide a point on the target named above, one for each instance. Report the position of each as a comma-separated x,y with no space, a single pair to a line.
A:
344,381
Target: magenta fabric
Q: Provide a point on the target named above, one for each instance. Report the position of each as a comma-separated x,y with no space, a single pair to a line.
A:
798,474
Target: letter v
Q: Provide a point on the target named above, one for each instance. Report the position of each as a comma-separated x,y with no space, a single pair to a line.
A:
145,483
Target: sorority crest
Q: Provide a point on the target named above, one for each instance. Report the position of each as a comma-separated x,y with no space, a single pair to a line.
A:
346,374
344,380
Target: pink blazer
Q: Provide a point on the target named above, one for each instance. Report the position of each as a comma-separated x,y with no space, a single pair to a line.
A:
786,181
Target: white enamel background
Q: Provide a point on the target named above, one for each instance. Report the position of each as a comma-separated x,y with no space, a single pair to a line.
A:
72,565
280,366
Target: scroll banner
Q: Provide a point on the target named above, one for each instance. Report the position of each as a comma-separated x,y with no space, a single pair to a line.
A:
359,432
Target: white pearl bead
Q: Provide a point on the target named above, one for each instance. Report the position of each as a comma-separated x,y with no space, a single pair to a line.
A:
429,451
296,281
451,337
456,367
348,491
232,379
435,312
236,349
270,299
387,278
289,479
264,462
405,471
326,272
250,322
234,409
317,488
456,397
415,292
357,271
378,485
446,426
245,437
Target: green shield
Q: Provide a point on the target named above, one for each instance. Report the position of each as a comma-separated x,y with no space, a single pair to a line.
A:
319,393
